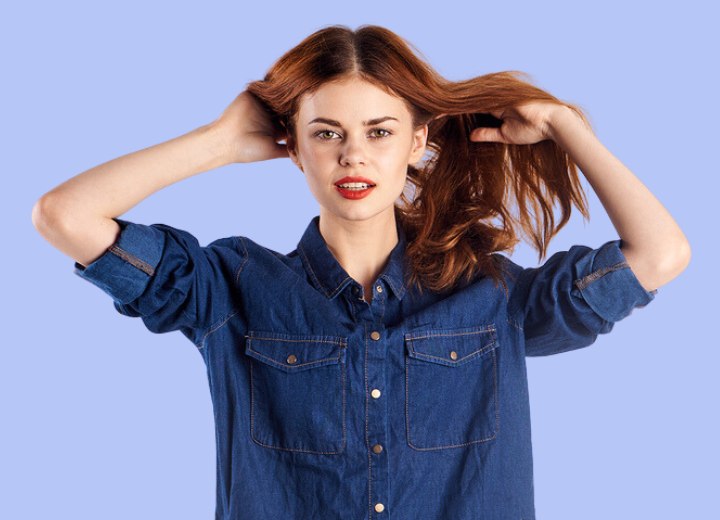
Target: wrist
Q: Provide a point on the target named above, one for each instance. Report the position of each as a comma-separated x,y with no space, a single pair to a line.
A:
217,144
561,119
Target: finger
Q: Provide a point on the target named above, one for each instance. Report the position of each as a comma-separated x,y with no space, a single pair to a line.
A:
487,134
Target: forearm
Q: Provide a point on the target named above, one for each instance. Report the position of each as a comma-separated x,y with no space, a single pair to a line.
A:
653,243
112,188
76,216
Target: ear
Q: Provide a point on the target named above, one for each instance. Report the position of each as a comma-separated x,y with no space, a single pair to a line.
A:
292,152
419,144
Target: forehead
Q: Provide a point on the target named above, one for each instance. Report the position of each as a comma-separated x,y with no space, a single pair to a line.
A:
349,101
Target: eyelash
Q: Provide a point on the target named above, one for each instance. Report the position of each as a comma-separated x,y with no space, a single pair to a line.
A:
317,134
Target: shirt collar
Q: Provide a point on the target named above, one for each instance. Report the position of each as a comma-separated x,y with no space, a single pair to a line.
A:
329,276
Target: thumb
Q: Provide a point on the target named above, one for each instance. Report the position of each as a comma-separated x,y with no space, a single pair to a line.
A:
487,134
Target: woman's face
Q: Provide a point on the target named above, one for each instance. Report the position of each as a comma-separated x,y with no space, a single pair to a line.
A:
333,142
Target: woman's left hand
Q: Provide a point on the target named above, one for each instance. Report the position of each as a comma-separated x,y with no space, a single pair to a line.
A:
527,123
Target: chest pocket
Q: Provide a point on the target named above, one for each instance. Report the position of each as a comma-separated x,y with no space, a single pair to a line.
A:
451,387
297,391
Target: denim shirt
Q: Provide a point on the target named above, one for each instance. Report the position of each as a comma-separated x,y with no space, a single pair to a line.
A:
327,406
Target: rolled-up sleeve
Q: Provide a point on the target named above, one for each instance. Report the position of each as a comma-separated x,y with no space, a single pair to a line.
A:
575,296
161,274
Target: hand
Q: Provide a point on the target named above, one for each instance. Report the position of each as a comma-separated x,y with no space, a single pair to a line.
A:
247,133
527,123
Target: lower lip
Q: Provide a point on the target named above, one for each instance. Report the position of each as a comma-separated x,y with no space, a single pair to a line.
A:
354,194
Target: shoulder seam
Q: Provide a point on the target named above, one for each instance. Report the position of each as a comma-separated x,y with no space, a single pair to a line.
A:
214,327
217,323
240,241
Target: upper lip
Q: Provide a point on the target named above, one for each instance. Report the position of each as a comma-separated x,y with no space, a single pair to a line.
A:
345,180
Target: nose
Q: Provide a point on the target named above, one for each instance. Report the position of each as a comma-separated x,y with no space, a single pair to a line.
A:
353,151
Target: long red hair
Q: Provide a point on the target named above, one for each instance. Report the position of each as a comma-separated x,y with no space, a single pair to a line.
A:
458,214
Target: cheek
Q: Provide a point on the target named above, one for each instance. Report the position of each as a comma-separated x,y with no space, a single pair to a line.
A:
317,180
318,156
398,163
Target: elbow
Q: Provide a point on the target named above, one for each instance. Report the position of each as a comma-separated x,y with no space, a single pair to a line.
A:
47,213
42,213
673,264
681,258
654,271
676,260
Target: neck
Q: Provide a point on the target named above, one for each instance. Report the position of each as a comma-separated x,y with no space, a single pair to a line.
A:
361,247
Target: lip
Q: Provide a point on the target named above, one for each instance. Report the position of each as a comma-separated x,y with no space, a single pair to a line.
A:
354,179
354,194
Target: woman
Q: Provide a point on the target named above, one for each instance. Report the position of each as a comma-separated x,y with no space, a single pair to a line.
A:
379,368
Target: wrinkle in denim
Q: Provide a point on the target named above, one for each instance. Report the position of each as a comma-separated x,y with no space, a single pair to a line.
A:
327,406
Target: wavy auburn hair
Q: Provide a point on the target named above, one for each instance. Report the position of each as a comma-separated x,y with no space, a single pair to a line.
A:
459,213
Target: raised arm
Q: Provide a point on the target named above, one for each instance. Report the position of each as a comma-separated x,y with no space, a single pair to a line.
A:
76,217
653,244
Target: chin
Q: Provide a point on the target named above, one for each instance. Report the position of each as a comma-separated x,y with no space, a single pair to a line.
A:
360,213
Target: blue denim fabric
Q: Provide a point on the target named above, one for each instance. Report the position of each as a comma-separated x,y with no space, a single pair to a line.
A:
329,407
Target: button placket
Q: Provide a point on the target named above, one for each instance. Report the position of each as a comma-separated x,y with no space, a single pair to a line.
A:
377,423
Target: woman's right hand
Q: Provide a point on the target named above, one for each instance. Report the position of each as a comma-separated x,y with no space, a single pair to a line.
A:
247,133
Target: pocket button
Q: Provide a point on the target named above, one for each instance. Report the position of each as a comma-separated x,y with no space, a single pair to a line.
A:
297,379
451,386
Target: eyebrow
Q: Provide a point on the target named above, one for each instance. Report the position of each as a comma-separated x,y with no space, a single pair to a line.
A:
370,122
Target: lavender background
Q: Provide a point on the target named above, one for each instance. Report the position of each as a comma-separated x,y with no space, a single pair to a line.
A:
103,419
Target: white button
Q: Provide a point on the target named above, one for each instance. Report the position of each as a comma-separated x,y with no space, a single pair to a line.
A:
375,393
379,507
378,288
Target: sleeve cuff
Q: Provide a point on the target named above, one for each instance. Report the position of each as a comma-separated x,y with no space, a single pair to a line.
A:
124,269
607,283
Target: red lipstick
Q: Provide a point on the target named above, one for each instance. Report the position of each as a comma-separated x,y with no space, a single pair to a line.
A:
353,190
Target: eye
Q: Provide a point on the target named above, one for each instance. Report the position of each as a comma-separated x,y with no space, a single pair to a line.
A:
317,134
326,131
387,132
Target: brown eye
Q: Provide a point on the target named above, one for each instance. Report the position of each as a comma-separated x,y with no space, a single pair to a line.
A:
387,132
317,134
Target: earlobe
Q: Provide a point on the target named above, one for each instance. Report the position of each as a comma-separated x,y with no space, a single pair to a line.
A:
291,153
296,161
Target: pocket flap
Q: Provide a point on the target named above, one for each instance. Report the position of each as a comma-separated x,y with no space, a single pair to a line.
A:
295,352
451,347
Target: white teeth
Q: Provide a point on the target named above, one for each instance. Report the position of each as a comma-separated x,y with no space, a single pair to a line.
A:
355,185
